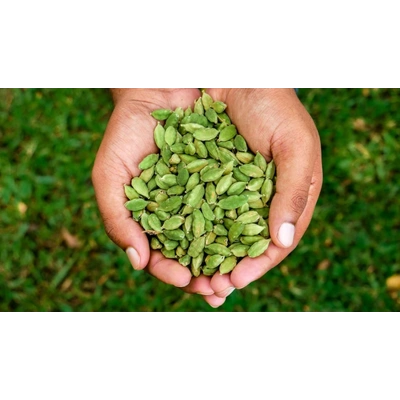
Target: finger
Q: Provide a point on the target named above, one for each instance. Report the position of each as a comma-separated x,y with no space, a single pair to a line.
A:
200,285
168,271
125,232
214,301
110,173
222,285
118,222
295,155
206,286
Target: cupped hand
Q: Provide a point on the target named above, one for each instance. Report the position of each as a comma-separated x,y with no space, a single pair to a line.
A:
127,140
275,123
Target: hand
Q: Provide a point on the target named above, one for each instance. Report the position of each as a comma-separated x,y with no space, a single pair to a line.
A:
127,140
275,123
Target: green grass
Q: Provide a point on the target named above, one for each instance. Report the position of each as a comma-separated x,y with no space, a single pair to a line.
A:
48,141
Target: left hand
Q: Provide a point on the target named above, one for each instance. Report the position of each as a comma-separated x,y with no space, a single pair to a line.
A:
275,123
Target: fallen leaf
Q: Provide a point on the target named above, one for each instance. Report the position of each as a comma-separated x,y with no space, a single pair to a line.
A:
365,92
66,285
359,124
285,270
72,241
393,283
102,280
22,207
323,265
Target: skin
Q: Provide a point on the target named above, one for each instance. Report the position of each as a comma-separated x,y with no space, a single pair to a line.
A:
273,121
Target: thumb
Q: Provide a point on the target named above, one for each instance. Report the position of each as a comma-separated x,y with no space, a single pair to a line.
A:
118,221
295,157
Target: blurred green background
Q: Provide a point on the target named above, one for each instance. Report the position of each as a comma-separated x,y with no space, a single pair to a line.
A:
55,256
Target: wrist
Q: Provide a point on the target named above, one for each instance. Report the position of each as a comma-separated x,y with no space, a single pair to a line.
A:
147,95
240,95
123,94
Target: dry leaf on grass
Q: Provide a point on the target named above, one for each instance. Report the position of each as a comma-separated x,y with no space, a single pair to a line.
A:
72,241
393,283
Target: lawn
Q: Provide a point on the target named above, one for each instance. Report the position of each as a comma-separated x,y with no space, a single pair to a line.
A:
55,255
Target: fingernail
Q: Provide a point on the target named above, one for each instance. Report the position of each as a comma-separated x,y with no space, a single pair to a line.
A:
133,258
286,234
180,285
226,292
219,304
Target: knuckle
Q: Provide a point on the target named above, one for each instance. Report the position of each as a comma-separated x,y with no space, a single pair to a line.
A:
299,201
110,229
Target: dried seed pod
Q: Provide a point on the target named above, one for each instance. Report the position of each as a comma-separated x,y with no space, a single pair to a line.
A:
161,114
258,248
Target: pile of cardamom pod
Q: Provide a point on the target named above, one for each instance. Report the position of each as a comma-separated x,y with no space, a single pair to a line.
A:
204,198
